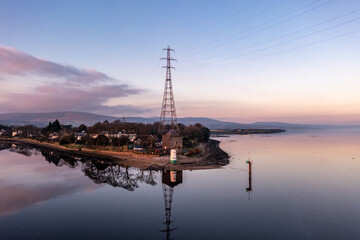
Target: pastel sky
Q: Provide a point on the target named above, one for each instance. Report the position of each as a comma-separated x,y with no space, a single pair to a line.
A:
245,61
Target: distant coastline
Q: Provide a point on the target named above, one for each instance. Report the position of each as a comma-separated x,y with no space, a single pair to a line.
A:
245,131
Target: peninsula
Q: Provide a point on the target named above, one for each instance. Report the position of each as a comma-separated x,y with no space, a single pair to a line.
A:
209,156
128,144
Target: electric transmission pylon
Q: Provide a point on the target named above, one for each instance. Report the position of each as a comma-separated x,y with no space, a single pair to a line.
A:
168,112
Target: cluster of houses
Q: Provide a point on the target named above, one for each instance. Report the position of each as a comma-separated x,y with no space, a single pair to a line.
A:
13,133
78,135
131,136
17,133
169,140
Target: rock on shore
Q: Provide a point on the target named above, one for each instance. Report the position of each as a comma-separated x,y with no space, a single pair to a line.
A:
214,154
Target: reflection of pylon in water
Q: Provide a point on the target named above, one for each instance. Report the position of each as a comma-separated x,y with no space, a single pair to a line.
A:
170,179
168,198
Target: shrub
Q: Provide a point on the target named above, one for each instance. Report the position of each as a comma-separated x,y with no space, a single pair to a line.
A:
193,152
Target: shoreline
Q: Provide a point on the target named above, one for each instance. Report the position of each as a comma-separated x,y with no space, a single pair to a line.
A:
225,132
212,156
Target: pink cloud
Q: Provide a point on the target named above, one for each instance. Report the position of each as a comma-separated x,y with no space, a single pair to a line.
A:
68,88
61,98
14,62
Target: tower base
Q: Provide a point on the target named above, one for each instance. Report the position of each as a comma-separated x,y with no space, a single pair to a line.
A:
172,140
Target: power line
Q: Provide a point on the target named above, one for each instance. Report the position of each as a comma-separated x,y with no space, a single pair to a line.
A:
217,23
265,23
294,39
245,20
286,50
307,45
288,34
261,30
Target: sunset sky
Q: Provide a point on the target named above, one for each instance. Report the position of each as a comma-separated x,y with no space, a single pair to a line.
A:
245,61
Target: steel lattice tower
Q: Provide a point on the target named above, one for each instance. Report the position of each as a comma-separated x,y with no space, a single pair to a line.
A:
168,112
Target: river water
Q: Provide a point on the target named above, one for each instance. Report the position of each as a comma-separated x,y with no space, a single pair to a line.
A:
303,185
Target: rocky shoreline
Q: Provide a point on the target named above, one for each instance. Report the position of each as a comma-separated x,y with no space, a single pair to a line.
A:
211,157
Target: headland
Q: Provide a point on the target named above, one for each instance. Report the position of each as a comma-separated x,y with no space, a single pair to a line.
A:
209,156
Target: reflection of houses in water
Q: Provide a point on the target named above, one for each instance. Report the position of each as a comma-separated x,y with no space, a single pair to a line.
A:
25,150
170,179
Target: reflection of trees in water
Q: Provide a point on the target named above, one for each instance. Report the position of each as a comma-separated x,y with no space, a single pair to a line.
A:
4,145
98,171
117,176
58,158
25,150
52,156
147,177
103,172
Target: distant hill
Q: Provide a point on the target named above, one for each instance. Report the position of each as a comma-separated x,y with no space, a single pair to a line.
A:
42,119
77,118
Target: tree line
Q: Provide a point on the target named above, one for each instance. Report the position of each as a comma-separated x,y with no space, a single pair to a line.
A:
148,134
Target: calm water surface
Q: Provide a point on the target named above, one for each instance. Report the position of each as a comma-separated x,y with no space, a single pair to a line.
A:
303,186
